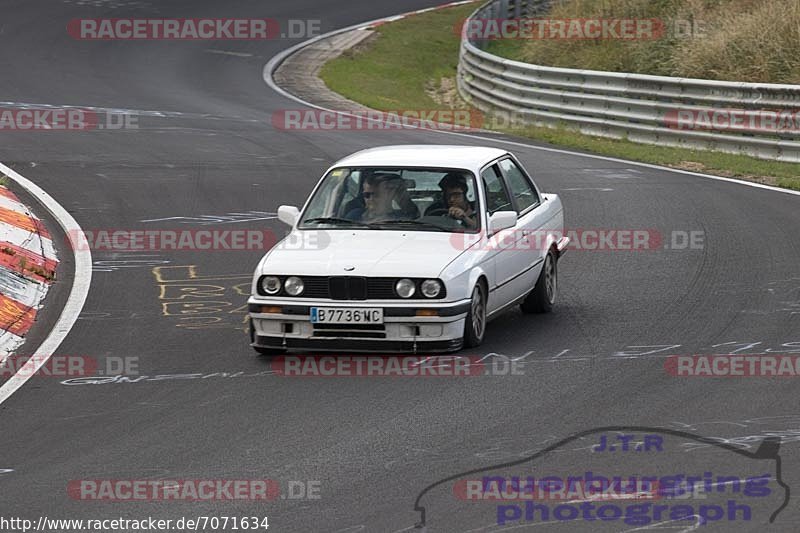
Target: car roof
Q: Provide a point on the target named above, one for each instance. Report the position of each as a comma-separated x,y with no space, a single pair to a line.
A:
425,155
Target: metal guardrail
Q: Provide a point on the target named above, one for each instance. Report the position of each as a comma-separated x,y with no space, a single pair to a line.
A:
640,108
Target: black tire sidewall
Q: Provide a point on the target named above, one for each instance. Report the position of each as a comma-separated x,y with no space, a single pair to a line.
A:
537,301
470,338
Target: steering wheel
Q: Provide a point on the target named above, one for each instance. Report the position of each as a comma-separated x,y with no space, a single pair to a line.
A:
439,211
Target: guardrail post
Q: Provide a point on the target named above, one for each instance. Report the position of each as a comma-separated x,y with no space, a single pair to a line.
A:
504,10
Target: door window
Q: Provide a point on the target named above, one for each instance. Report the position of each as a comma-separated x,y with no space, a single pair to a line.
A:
497,198
521,188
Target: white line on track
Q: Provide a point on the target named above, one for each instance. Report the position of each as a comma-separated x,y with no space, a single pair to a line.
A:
77,296
280,57
228,53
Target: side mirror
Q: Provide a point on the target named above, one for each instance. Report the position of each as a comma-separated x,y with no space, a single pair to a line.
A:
501,220
288,214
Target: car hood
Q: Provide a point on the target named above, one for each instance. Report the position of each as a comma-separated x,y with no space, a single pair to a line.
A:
374,253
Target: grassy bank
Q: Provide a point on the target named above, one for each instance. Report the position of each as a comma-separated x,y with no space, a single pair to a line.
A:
411,64
742,40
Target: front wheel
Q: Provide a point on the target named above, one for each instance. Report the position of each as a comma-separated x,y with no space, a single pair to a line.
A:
543,296
475,326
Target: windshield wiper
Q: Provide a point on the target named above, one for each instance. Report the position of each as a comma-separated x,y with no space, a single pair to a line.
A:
334,220
409,222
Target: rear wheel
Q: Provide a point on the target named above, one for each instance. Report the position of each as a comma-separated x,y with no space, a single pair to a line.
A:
475,326
543,296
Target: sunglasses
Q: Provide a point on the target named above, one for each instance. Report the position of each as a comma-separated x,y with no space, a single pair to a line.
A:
368,194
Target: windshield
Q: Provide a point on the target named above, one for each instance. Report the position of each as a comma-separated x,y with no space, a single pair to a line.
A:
380,198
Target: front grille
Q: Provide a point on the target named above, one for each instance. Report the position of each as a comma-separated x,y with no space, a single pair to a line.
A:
347,288
381,288
315,287
352,288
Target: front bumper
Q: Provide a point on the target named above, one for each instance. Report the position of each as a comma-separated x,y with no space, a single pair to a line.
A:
288,325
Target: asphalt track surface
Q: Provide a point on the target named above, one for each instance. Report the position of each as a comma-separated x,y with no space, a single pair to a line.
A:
372,444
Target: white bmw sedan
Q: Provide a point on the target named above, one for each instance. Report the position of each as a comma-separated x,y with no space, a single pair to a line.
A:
408,249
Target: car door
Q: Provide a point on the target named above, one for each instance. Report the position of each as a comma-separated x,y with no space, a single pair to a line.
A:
533,224
502,249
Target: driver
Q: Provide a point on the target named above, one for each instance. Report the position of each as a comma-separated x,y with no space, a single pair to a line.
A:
454,191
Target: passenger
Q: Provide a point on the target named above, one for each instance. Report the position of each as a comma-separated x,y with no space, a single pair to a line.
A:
379,192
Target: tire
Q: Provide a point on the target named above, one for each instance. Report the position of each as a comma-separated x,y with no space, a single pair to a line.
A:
543,296
475,324
263,351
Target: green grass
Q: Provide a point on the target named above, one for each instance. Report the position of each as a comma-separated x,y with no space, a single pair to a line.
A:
392,72
397,70
731,165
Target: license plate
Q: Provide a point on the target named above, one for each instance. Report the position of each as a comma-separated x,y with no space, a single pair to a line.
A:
346,315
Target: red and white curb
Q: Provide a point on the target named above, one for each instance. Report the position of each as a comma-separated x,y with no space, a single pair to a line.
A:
27,267
81,280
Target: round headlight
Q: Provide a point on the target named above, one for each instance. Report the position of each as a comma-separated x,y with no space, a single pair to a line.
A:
270,285
431,288
293,286
405,288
